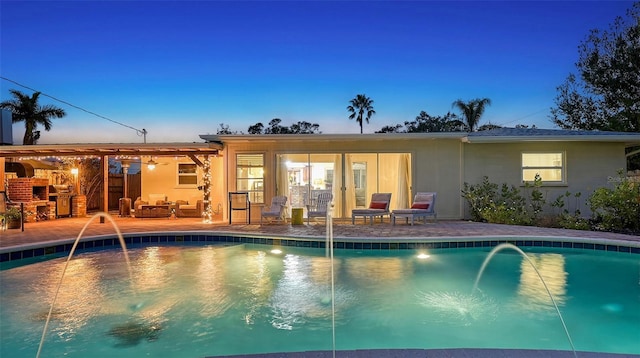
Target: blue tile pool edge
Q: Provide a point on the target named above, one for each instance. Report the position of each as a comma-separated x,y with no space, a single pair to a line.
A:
111,241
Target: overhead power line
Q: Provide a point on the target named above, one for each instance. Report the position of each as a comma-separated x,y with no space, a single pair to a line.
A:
142,132
526,116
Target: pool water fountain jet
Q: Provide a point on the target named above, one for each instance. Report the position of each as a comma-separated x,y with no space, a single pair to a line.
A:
503,246
100,215
329,231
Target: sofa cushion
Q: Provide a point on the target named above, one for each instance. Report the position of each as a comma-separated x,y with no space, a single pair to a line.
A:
157,199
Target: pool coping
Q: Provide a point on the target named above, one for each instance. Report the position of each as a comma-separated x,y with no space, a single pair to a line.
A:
437,353
57,247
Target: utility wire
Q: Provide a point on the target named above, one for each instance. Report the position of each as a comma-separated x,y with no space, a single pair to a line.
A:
526,116
142,132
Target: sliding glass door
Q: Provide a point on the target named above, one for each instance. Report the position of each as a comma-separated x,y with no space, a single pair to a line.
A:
350,177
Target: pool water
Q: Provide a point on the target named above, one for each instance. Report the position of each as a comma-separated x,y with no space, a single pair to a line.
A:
199,301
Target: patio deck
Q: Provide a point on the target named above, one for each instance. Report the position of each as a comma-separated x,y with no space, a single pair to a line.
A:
69,228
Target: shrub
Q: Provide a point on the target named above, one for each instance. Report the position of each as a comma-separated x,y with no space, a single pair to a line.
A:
567,219
12,213
479,197
504,206
617,209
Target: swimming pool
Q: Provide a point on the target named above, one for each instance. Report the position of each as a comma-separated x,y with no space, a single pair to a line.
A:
214,299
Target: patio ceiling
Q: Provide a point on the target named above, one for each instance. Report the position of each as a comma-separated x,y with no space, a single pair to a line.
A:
121,150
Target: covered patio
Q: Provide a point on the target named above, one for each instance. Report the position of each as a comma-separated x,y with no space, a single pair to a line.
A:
199,153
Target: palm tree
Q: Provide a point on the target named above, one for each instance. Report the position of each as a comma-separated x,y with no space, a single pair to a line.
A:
472,110
27,109
359,106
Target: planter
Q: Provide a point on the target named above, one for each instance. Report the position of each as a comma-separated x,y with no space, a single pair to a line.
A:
13,224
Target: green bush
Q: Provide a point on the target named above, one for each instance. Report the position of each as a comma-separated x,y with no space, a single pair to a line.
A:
567,219
617,209
504,206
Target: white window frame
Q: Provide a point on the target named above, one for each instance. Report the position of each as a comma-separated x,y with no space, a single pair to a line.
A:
562,167
179,175
256,189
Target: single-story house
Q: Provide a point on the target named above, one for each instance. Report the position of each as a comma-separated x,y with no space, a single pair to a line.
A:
354,166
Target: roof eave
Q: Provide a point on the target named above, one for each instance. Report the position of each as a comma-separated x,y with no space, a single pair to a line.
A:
629,139
135,149
221,138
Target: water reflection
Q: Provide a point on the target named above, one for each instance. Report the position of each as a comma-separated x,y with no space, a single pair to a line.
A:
210,289
531,292
79,292
258,285
150,268
376,271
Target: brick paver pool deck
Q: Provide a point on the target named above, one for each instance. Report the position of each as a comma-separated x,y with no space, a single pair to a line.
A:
69,228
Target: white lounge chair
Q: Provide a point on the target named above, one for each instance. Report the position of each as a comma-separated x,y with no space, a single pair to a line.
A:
276,210
319,206
424,205
379,206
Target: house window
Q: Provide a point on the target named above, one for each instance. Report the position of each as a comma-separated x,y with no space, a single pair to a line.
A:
187,174
550,167
250,176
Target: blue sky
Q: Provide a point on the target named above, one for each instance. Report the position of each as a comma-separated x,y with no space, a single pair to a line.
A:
180,68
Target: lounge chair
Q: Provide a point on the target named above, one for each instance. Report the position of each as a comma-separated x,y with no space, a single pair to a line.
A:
379,206
424,204
276,210
318,207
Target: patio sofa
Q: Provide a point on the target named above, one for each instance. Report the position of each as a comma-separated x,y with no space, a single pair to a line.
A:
193,208
156,207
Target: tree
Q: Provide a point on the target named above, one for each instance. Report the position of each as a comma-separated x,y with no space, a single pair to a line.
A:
425,123
26,109
606,94
276,128
303,127
488,126
224,129
257,128
391,129
472,111
361,108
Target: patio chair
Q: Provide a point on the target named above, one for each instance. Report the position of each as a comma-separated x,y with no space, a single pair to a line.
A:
276,210
424,205
379,206
319,205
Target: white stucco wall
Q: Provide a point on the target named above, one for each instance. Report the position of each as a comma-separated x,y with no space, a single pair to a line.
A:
436,163
589,165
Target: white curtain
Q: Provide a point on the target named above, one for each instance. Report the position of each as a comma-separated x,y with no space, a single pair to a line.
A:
336,186
404,181
350,191
282,180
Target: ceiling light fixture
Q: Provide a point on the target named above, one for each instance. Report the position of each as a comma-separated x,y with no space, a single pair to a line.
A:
151,164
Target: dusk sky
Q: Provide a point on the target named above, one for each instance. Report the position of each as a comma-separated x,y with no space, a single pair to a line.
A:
180,68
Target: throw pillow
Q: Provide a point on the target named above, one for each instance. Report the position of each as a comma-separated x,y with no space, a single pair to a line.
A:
378,205
424,206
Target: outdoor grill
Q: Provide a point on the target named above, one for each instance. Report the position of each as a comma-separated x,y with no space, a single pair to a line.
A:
61,194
